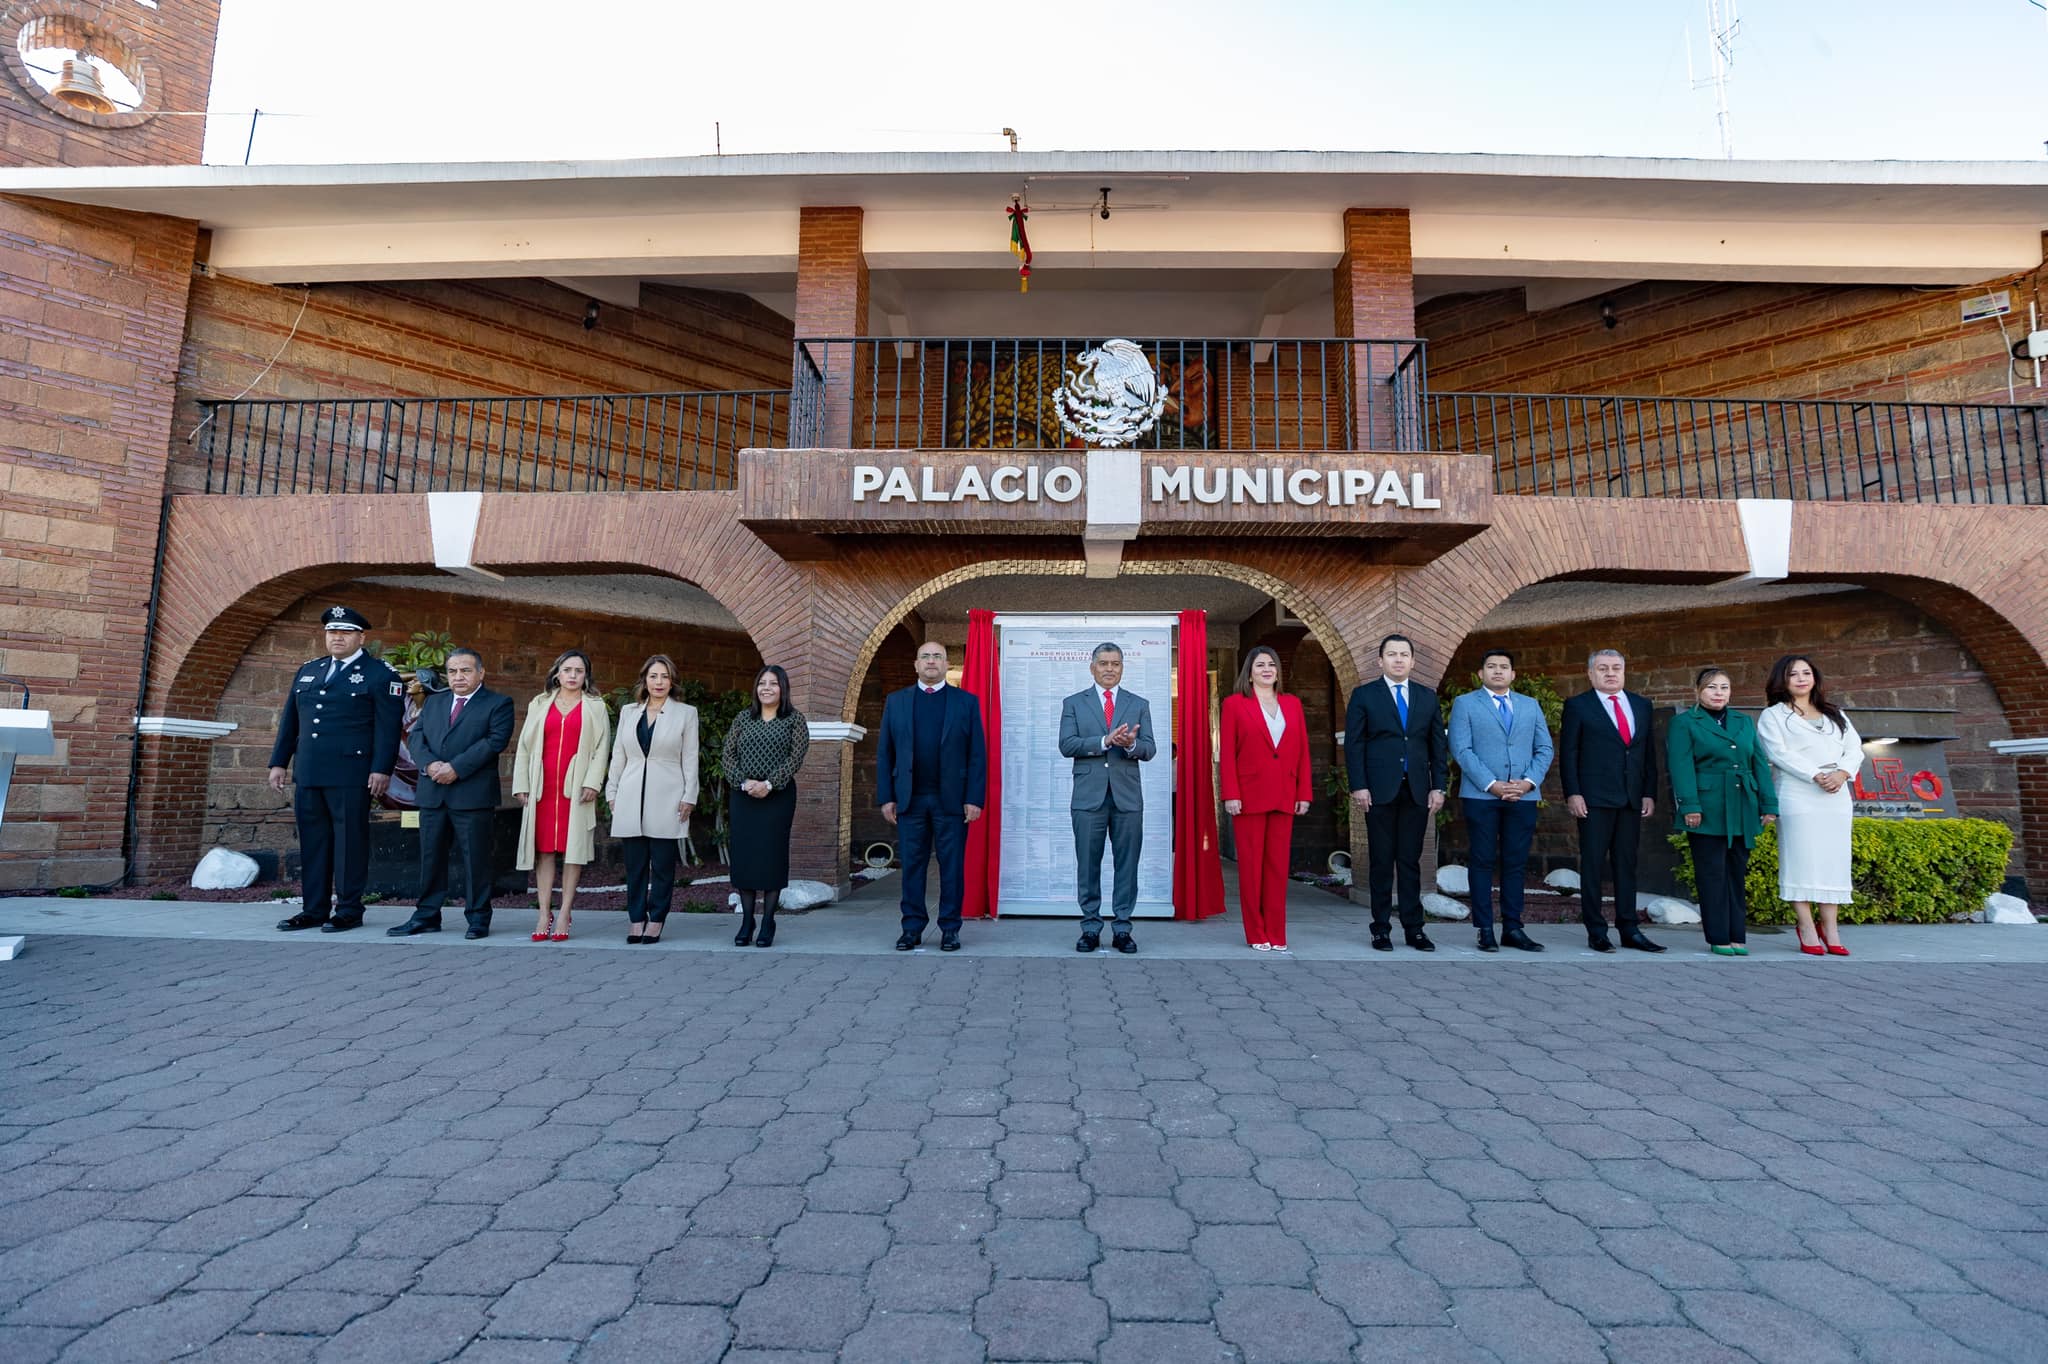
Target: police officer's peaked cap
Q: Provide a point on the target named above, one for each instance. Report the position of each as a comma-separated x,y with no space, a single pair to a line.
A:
342,618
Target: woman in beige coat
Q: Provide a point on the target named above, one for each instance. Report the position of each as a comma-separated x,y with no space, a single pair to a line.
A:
653,789
557,772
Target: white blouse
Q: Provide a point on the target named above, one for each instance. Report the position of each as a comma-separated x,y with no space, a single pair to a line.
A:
1801,751
1276,722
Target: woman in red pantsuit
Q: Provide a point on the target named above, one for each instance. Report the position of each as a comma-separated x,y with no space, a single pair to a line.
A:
1265,785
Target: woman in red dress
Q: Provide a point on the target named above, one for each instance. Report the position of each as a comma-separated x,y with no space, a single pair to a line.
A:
1265,772
557,773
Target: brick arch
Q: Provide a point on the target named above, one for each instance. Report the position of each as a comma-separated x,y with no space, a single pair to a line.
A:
233,565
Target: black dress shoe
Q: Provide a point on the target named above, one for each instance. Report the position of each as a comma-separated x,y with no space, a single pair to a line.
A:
1123,943
1640,942
1382,942
472,934
907,941
949,942
1600,944
1486,942
766,937
1419,940
1088,942
340,925
1519,940
297,922
412,926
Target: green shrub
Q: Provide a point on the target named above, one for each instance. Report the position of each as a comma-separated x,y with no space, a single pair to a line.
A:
1902,870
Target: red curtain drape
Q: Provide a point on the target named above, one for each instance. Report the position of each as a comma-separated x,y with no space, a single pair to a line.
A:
980,675
1197,856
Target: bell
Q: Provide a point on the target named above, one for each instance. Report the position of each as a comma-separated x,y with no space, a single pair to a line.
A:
79,87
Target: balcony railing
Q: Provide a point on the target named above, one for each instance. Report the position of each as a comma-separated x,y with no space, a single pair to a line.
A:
1838,451
593,442
980,393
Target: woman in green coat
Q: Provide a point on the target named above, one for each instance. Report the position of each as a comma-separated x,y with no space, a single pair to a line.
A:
1721,783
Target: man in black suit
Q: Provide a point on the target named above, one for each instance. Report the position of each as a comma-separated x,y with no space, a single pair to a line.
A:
1609,763
931,780
1395,751
456,742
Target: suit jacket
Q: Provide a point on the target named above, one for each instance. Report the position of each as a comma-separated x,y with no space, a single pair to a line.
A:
337,734
1375,742
645,788
1591,756
1265,776
1098,772
471,748
1720,774
1486,753
963,750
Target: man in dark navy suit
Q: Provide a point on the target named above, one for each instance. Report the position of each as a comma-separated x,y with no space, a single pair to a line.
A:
931,780
1394,754
339,732
1608,758
460,733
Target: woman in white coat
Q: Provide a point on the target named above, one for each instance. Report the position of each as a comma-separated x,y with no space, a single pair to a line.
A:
1815,753
557,771
653,790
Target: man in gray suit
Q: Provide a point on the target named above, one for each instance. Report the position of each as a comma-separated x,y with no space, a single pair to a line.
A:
1502,747
1107,731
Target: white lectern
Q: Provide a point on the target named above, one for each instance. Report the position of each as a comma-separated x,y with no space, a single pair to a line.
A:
23,733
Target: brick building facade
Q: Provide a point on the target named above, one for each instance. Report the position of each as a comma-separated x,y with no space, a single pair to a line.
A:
133,583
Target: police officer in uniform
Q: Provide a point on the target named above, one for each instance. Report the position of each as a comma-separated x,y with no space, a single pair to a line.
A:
341,724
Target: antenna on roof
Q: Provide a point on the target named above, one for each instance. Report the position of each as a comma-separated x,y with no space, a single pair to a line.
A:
1722,26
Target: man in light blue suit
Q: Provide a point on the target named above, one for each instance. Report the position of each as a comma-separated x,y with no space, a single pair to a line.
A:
1107,731
1502,747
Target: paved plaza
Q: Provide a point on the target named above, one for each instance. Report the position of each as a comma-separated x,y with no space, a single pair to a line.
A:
350,1148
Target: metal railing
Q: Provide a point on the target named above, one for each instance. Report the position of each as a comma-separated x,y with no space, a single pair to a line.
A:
1586,445
1223,393
645,442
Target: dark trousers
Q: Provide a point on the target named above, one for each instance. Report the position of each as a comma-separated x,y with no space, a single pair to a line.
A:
1720,865
334,849
1393,833
1500,832
1124,831
650,878
466,834
921,829
1607,844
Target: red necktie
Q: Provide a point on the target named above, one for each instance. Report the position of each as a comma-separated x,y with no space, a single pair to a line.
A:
1108,711
455,711
1621,720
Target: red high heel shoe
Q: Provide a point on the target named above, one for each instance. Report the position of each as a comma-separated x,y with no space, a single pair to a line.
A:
1835,949
542,936
563,936
1818,949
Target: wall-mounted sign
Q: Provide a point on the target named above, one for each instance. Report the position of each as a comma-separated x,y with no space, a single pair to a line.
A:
1211,485
1904,780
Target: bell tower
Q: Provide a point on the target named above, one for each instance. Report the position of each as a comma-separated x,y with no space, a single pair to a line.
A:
105,82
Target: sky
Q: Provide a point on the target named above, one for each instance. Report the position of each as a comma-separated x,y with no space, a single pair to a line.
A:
500,80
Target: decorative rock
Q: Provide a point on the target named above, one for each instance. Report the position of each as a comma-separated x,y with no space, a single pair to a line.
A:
806,895
2007,909
1454,880
1444,907
224,869
1666,909
1564,878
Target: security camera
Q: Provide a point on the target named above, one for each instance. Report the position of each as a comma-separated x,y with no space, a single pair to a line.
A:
590,316
1105,203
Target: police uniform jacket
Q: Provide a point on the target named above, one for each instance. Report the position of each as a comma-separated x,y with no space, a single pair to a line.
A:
1719,774
337,733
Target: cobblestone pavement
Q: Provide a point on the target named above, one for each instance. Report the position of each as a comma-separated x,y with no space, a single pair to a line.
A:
305,1150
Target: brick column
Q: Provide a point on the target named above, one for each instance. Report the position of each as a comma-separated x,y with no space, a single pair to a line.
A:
1374,291
92,314
831,301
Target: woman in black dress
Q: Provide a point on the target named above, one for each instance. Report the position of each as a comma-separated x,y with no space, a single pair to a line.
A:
764,750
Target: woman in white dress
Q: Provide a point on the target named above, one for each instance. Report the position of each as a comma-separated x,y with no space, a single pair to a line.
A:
1815,753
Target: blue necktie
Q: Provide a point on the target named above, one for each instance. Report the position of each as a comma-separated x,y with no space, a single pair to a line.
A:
1507,716
1401,704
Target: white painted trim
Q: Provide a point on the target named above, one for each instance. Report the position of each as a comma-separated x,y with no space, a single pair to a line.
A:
1767,534
837,732
171,727
2020,748
454,518
27,733
1116,503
